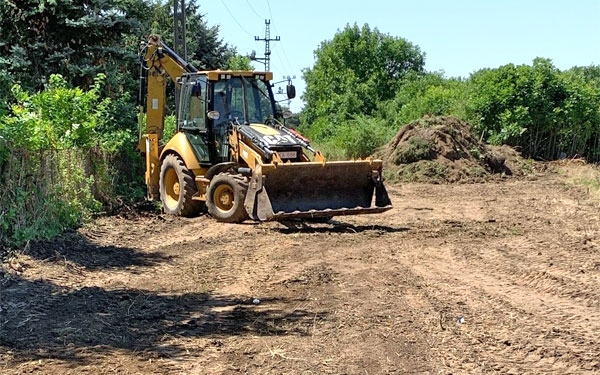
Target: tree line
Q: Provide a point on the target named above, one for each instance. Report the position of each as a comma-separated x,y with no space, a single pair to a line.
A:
365,85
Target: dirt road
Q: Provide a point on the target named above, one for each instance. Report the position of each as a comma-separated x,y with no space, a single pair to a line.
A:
502,277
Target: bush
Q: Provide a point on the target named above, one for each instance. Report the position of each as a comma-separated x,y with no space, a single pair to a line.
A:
543,111
425,95
416,149
356,138
361,136
53,161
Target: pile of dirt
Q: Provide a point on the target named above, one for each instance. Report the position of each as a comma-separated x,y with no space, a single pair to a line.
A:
444,149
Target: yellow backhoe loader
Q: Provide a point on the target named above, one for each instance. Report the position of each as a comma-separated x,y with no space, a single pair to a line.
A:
232,152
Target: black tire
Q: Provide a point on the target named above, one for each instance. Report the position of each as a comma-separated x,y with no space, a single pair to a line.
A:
225,198
177,187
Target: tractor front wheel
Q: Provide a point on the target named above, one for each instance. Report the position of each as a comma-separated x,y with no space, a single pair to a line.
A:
225,198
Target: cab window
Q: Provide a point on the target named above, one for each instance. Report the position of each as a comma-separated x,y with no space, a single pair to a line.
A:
194,106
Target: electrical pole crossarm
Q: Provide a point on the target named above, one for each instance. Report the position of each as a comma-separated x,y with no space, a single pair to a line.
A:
267,39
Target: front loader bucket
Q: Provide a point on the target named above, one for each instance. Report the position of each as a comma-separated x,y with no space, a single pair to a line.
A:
314,189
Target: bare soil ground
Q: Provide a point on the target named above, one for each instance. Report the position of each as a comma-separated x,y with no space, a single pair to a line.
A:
501,277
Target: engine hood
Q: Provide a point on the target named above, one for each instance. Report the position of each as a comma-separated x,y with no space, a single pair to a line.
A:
269,136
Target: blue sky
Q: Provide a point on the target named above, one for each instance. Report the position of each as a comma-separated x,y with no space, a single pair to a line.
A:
458,37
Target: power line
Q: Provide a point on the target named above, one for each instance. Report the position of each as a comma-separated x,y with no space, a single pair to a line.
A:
257,15
289,79
289,66
269,6
255,12
236,21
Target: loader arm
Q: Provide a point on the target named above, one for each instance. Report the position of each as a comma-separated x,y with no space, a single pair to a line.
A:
158,62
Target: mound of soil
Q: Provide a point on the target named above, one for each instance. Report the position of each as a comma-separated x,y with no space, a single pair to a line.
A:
444,149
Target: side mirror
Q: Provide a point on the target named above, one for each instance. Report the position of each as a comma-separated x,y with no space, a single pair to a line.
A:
213,115
291,91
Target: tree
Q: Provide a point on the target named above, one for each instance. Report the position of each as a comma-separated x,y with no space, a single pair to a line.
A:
239,62
77,135
77,39
355,71
206,50
81,38
424,94
581,112
543,111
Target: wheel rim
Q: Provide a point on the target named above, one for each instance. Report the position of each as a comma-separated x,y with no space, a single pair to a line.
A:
223,198
172,188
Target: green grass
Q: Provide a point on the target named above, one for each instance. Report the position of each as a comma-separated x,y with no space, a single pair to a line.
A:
416,150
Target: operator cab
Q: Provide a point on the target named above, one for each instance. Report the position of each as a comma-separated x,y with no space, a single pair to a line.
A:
213,102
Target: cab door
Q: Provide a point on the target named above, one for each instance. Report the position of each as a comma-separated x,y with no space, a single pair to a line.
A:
191,118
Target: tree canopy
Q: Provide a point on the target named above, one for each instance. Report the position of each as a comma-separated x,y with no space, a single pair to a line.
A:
81,38
365,85
76,39
545,112
206,50
355,71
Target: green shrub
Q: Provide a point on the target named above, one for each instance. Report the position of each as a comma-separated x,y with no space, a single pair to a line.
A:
424,171
54,163
361,136
330,150
170,127
356,138
417,149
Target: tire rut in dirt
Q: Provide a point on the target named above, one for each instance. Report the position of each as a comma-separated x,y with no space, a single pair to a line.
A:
519,322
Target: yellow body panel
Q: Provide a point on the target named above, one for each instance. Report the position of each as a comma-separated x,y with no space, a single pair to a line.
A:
155,104
214,75
181,146
150,147
265,129
161,66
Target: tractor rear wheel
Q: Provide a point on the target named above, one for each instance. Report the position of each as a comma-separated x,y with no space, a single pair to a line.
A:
177,187
225,198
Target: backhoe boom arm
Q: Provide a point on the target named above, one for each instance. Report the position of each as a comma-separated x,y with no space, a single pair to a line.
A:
157,62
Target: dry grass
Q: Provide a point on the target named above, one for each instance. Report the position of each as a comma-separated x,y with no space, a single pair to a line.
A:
581,173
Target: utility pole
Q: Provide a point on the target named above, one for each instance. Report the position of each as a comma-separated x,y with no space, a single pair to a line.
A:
179,28
267,39
179,39
267,58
